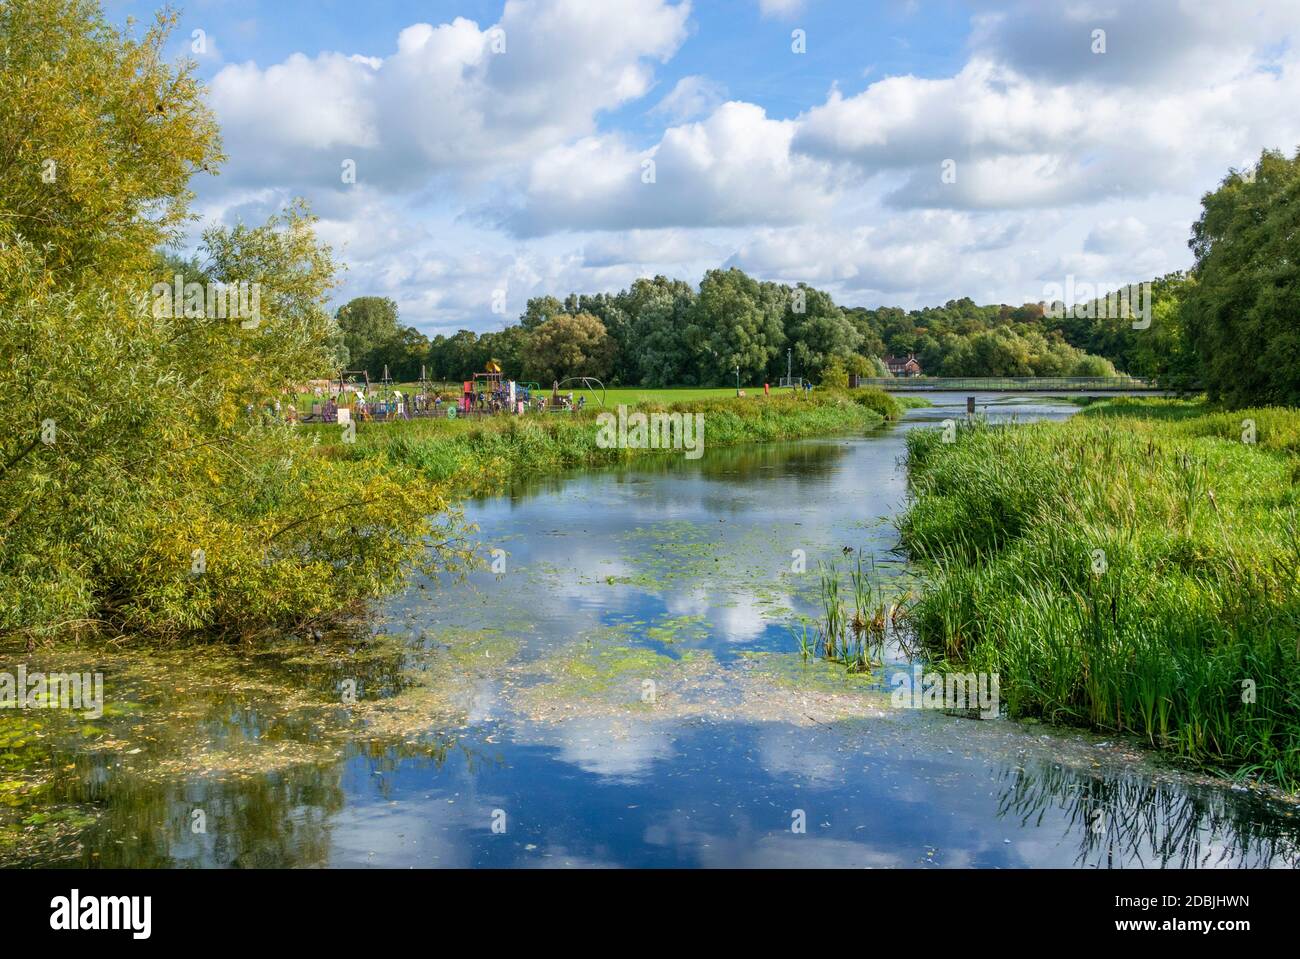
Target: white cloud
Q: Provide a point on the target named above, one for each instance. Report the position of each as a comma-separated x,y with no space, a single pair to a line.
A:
453,98
1117,236
1110,152
649,247
1152,43
927,250
1018,142
734,168
780,8
690,97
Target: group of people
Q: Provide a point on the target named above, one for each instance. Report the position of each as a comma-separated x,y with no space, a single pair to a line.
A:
425,402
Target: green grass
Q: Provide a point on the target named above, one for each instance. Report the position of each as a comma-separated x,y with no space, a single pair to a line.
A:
635,395
484,454
1136,568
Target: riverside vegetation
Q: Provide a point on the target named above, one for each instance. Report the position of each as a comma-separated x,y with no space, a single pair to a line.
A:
1135,568
481,456
138,496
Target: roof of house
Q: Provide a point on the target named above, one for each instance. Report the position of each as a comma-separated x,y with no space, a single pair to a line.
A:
898,363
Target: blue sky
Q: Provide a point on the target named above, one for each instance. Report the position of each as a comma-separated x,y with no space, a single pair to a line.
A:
917,150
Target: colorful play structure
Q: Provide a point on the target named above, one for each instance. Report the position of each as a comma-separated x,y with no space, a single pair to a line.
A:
352,397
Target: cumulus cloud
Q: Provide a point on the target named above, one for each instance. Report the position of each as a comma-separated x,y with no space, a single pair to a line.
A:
496,157
451,98
1117,236
649,247
929,251
1146,42
690,97
735,168
1007,141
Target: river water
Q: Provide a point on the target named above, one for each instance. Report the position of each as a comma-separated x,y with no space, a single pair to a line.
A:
622,689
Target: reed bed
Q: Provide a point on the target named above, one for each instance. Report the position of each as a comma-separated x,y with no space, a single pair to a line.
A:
1134,569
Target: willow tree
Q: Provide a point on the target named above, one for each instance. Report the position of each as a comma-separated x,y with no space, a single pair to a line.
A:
142,486
1240,315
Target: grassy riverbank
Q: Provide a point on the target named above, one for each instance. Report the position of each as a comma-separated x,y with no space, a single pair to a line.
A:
478,456
1136,568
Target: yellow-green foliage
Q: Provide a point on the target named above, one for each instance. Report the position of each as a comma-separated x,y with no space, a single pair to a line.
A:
137,491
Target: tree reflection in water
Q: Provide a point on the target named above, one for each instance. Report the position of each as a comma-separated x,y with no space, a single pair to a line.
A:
1125,819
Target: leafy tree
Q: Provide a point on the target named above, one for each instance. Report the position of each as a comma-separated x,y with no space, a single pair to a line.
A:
740,324
834,373
538,310
506,347
1240,316
369,324
817,331
568,345
660,312
618,324
1092,366
99,136
456,357
138,493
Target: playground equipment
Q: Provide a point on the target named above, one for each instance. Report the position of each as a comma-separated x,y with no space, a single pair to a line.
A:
490,392
589,383
351,379
427,398
352,397
326,409
789,381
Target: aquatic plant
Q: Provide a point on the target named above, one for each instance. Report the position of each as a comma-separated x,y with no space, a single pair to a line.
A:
1133,569
806,641
857,642
832,626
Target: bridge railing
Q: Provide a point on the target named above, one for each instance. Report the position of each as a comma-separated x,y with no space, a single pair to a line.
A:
1064,384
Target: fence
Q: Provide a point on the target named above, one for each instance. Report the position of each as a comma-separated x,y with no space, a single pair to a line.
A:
985,384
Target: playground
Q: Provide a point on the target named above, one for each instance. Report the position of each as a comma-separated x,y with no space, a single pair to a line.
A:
351,396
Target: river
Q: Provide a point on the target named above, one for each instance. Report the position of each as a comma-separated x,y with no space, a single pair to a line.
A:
622,689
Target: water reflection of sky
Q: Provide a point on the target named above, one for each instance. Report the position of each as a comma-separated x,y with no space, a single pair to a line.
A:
711,541
725,795
682,558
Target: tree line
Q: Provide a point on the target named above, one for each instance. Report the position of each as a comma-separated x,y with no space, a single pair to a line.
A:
665,332
1227,326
